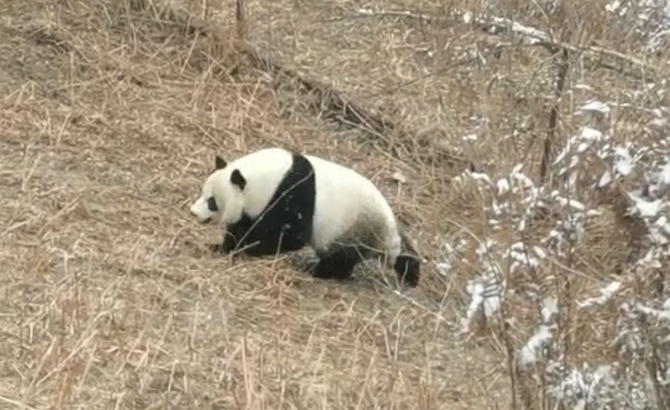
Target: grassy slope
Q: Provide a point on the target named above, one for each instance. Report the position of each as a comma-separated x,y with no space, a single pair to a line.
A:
109,120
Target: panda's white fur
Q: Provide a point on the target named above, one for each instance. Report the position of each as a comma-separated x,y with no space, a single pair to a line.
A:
283,201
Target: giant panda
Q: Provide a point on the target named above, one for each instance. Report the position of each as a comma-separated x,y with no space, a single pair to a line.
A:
274,201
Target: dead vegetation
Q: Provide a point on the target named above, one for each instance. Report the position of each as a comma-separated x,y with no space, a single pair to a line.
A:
110,114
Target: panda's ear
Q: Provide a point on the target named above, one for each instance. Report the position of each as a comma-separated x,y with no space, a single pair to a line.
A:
219,162
237,179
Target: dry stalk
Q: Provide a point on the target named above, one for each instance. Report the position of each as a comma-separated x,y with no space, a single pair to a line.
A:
241,20
563,65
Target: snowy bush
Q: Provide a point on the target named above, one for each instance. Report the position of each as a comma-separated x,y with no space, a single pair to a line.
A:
651,19
597,342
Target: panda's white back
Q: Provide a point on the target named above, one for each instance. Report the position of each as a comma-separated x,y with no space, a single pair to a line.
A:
343,198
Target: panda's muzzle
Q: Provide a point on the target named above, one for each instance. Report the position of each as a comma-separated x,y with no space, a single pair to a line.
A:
200,220
197,211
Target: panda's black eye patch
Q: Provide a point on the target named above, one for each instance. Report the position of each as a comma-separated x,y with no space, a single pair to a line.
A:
211,204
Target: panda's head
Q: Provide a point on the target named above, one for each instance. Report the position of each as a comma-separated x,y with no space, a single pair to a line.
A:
221,195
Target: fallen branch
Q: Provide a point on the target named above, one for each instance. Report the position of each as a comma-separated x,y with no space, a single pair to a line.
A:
326,100
335,106
533,36
331,102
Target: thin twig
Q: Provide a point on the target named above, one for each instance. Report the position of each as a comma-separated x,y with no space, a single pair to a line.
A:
561,76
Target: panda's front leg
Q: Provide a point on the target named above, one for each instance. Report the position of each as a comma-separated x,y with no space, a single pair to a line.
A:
227,245
229,242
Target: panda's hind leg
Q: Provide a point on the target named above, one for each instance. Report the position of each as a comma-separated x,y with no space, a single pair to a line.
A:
408,269
338,264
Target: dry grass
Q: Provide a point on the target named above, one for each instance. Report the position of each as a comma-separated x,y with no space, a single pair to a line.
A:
110,114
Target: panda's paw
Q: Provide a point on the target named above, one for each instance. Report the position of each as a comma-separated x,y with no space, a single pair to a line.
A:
215,248
329,271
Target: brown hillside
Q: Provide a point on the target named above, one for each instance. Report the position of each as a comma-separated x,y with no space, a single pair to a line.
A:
110,114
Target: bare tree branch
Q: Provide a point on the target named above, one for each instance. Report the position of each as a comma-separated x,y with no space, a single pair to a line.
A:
533,36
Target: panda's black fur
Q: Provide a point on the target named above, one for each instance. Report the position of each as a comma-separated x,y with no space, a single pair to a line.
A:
286,224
